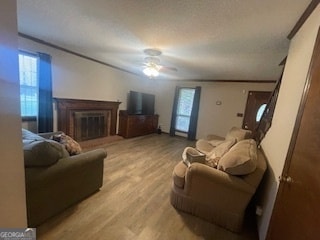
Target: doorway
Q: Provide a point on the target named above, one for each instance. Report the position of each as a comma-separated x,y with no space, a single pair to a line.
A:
256,103
296,213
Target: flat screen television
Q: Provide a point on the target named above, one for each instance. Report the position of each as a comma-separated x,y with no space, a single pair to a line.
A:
140,103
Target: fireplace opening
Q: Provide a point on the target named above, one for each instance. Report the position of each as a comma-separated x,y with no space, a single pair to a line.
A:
91,124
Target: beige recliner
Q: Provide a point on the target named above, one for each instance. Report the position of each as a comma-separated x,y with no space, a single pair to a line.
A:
220,195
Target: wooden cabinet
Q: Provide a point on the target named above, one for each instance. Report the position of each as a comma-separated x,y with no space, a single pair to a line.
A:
136,125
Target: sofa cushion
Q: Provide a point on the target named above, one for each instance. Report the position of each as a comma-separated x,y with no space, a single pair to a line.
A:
238,133
218,152
42,153
241,159
216,142
204,146
69,143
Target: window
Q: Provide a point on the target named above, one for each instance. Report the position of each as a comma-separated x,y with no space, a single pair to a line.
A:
29,90
185,112
184,108
260,112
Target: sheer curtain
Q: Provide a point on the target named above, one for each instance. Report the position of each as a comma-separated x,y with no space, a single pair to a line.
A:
45,115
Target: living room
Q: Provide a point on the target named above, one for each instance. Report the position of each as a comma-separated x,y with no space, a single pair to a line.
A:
78,78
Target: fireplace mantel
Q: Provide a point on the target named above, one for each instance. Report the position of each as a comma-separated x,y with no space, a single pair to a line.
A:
66,109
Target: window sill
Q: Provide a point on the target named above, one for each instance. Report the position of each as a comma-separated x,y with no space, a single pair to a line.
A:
29,119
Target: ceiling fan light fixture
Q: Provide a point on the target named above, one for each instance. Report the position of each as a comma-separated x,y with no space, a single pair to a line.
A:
151,71
152,52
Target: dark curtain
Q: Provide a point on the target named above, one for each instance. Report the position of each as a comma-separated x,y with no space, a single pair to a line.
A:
194,115
174,112
45,114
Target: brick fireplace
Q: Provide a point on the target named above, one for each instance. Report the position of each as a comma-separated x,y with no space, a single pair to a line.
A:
87,119
91,124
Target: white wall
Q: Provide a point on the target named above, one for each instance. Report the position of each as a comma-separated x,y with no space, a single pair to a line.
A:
217,119
12,183
278,138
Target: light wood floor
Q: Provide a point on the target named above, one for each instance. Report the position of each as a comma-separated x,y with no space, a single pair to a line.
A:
134,200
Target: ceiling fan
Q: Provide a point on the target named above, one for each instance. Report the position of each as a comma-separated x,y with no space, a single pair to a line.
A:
152,65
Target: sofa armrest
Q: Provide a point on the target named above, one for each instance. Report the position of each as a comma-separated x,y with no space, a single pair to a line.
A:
212,186
47,135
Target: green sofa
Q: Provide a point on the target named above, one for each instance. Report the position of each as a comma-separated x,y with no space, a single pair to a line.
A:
54,179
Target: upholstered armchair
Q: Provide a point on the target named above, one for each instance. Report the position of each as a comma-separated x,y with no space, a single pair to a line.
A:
222,194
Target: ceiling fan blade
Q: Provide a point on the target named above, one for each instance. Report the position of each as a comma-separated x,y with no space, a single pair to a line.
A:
168,68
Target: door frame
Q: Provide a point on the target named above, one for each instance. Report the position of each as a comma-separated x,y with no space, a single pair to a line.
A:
247,110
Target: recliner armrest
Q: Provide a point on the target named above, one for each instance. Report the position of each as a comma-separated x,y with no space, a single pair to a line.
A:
198,171
212,186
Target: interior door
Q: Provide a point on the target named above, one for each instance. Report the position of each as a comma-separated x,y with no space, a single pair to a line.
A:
296,213
256,102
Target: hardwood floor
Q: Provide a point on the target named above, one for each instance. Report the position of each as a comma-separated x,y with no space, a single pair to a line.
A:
134,200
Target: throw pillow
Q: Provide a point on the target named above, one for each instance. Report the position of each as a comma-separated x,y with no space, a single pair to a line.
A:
42,153
241,159
214,156
238,133
69,143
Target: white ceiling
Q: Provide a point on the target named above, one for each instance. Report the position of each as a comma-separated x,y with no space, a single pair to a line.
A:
203,39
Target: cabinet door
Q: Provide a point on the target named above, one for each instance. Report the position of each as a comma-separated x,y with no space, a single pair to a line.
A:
122,126
137,125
